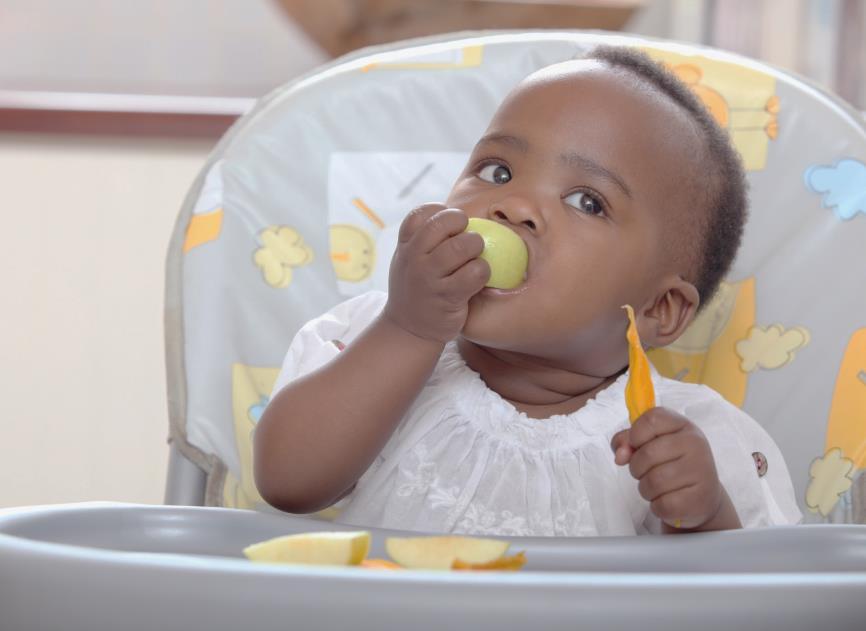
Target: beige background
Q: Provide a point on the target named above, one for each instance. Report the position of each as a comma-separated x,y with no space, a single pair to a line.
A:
82,388
85,226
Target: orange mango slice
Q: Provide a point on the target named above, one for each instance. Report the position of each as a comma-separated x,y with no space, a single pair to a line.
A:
639,392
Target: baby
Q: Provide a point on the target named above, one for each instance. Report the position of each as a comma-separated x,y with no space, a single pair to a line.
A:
449,406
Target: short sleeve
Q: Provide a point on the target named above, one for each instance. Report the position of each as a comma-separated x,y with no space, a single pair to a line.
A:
750,465
772,472
321,339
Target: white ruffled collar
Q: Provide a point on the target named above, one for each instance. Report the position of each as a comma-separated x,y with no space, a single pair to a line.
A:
471,398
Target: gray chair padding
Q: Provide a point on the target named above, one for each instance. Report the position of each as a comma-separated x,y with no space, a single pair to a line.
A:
298,207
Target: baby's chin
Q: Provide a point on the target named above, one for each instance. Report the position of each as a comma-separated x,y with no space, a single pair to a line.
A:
489,322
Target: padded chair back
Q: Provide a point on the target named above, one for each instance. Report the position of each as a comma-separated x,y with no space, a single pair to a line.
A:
298,208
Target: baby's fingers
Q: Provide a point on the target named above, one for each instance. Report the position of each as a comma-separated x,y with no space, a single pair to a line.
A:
622,450
658,451
467,281
653,423
416,218
664,479
437,228
454,253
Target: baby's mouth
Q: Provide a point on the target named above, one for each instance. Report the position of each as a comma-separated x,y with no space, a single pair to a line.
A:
523,286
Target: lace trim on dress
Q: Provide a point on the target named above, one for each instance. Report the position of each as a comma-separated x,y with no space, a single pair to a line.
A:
470,398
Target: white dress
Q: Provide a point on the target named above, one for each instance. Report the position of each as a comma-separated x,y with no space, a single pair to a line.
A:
464,460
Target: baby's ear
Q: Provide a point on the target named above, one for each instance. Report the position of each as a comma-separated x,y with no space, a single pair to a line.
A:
670,313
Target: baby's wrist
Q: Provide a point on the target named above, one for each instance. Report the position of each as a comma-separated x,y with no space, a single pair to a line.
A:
723,518
392,327
726,517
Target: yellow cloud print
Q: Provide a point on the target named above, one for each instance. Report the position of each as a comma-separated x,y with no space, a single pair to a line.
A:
742,100
283,249
353,253
831,477
771,347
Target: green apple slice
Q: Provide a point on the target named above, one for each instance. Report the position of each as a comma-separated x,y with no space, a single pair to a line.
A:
439,553
313,548
504,250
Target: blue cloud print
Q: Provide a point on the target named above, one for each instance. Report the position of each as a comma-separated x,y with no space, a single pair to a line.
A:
256,410
843,186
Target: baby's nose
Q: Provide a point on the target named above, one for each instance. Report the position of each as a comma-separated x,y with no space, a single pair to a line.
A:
518,211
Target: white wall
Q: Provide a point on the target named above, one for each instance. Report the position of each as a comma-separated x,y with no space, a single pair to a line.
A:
85,226
197,47
82,387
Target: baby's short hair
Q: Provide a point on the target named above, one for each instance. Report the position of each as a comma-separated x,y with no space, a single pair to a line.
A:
719,231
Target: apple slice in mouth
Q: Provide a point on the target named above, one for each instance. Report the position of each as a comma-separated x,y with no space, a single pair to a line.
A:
504,251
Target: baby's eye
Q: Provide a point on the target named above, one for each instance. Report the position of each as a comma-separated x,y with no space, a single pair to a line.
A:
585,202
495,174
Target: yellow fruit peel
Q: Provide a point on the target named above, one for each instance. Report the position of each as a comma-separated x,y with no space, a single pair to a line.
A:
381,564
639,392
506,563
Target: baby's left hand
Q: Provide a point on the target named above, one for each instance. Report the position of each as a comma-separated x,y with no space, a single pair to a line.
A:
671,459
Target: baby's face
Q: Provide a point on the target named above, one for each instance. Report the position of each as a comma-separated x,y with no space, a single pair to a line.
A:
590,169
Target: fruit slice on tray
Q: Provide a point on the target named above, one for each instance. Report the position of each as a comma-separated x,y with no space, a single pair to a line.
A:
313,548
452,552
421,553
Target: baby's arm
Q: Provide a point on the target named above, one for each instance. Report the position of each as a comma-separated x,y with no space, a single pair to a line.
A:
322,431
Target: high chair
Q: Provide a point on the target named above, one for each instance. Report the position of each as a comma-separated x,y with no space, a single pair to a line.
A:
298,208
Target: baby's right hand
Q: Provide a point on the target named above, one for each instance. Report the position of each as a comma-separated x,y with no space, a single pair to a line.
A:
434,273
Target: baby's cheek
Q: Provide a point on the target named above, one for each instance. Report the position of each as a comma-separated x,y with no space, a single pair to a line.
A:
455,195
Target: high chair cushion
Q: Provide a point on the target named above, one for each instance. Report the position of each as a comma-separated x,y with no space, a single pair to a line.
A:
298,208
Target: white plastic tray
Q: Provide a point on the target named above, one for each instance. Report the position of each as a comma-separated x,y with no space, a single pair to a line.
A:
120,566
